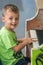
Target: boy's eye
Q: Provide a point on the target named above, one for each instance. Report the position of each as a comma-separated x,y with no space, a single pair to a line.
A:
10,18
16,18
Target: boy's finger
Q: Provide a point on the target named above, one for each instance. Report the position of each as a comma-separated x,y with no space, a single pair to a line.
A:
34,39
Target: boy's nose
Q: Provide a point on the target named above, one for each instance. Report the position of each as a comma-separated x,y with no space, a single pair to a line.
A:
14,20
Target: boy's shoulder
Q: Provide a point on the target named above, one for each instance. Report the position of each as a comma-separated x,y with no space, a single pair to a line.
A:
2,29
5,31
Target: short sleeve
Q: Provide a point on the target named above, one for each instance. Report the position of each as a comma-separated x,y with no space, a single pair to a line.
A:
9,39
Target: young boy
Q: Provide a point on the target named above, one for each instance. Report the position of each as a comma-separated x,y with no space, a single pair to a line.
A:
10,50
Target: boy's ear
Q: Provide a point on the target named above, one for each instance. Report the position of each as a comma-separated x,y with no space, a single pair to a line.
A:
3,19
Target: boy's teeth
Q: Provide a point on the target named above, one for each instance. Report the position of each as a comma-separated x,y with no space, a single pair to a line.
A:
13,24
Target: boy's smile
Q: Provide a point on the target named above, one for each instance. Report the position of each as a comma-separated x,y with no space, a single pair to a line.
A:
11,20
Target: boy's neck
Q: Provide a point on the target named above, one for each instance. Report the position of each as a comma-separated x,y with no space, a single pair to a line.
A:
9,28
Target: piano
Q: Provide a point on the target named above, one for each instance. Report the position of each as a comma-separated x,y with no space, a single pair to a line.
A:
35,25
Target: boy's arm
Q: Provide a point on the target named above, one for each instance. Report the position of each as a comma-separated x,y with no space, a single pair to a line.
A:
20,40
24,42
18,47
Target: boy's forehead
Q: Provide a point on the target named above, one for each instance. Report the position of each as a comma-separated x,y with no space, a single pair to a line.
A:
8,12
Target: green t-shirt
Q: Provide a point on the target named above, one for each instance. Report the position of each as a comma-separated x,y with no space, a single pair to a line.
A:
8,40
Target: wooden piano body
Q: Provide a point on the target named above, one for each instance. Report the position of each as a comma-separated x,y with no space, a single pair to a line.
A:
35,23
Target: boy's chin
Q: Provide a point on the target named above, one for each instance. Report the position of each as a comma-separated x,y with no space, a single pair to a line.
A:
12,28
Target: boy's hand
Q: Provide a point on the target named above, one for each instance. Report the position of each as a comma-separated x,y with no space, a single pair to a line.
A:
27,40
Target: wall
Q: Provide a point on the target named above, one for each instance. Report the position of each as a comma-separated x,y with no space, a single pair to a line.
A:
39,3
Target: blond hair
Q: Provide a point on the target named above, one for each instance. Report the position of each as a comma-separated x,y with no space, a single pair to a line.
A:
10,7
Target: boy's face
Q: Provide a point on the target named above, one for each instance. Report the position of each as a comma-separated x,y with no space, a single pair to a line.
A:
11,20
